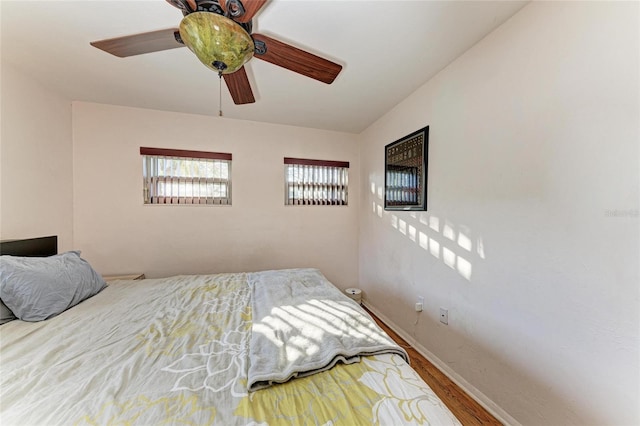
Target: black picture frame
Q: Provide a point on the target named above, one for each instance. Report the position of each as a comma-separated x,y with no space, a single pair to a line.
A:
406,164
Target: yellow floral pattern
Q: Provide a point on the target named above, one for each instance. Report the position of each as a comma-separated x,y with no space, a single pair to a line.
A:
333,397
216,299
217,366
162,411
404,395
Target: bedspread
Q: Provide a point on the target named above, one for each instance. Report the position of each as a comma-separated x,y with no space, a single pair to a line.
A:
175,351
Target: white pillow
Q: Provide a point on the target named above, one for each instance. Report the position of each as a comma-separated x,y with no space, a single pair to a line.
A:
38,288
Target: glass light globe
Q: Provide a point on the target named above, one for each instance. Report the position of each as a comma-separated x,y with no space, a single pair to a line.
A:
218,42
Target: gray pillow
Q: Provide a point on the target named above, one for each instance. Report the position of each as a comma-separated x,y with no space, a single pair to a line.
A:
5,314
37,288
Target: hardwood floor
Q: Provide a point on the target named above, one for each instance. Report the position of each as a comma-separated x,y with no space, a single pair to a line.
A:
468,411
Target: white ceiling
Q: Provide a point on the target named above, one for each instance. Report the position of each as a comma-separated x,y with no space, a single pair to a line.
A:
387,49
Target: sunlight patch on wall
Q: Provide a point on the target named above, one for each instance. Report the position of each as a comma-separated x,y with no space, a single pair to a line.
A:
419,228
448,232
449,258
412,233
434,248
480,247
464,268
424,241
402,227
434,223
464,241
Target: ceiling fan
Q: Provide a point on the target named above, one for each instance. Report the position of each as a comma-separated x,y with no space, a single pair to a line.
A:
219,33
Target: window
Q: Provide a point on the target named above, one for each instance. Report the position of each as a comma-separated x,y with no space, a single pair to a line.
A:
315,182
172,176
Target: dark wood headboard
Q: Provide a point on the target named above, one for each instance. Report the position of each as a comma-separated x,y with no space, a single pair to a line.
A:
33,247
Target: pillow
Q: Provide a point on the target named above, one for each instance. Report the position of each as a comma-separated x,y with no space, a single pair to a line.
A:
38,288
5,314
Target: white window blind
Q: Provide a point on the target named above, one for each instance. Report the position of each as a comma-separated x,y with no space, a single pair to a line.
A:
172,176
316,182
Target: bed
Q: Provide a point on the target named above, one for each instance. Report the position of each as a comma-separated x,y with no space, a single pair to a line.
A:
259,348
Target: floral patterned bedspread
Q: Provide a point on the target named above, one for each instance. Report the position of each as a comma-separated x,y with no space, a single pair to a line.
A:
175,351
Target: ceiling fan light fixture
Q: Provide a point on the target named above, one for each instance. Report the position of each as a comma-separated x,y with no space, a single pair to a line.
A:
216,40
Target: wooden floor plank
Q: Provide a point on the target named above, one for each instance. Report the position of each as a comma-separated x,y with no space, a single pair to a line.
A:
466,409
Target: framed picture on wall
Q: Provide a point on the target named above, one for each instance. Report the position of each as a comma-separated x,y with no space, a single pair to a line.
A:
405,165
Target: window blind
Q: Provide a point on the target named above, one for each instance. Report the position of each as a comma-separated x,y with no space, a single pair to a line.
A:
316,182
185,177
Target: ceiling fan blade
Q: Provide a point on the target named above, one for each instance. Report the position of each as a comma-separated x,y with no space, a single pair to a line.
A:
296,60
239,87
138,44
251,7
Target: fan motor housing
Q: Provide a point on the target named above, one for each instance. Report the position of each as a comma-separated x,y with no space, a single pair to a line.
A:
235,7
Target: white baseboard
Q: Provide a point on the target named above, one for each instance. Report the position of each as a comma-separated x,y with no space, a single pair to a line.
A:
467,387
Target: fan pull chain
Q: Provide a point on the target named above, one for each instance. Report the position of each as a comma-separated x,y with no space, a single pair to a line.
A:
220,94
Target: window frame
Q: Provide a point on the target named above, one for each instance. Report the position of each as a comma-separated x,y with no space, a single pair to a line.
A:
185,155
339,189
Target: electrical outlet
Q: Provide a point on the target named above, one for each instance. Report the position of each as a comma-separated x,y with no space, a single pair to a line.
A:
444,316
420,304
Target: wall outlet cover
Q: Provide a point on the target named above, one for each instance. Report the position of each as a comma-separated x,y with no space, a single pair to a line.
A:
444,316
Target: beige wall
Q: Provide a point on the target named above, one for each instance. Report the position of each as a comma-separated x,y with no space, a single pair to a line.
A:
36,195
119,234
532,233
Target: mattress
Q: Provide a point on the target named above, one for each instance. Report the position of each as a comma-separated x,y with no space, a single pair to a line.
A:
177,351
